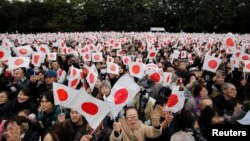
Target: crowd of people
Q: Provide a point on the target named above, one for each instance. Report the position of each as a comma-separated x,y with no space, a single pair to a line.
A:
27,105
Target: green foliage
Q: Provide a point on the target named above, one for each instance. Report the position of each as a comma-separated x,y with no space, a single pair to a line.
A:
125,15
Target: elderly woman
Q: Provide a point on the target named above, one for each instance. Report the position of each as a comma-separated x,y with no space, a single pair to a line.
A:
130,128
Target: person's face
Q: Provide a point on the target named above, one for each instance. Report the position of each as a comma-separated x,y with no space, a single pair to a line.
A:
182,66
75,116
49,80
220,80
231,91
132,118
21,97
40,76
18,74
46,105
205,103
12,132
55,66
105,90
203,93
3,98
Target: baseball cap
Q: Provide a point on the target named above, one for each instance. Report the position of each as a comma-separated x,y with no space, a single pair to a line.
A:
50,73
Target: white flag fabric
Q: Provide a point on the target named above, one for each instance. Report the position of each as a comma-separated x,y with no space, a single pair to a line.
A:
37,59
167,78
17,62
175,101
137,69
23,51
93,109
211,63
113,68
4,54
92,77
64,95
52,56
97,57
245,120
122,92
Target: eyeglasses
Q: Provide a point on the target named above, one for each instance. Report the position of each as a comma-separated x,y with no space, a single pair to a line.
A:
132,117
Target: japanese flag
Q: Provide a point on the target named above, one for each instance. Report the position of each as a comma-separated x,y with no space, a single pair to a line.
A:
120,52
244,56
183,54
99,48
247,66
122,92
92,77
86,57
6,43
155,75
167,78
17,62
93,109
74,77
43,49
52,56
152,54
230,40
190,58
117,45
37,59
126,60
112,68
64,95
110,59
175,101
97,57
23,51
137,69
4,54
211,63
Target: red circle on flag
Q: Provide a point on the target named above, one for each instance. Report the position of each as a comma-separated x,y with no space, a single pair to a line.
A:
212,64
1,54
43,49
245,57
136,69
74,82
91,78
51,56
172,100
237,54
121,96
116,45
90,108
23,51
152,54
96,57
248,66
229,42
62,94
36,58
74,72
87,56
112,68
18,61
168,79
155,77
91,47
126,60
6,44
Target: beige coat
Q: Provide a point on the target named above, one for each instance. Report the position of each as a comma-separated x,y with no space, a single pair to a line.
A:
139,134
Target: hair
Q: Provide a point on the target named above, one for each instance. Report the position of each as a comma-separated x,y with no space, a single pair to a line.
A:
225,86
186,120
56,131
48,96
106,83
11,120
6,93
129,108
197,90
26,91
